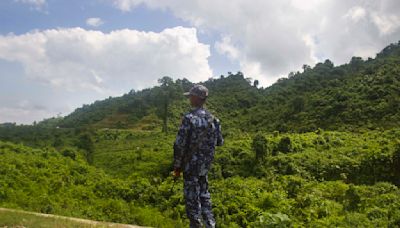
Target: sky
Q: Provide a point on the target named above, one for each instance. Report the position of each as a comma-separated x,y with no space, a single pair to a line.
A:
56,55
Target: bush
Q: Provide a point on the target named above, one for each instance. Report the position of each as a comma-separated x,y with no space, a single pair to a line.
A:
69,152
285,145
260,147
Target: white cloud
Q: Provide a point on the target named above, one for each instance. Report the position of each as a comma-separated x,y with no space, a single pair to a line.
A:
79,66
226,47
37,4
33,2
108,63
24,112
356,13
22,115
94,21
127,5
306,5
272,38
386,24
253,68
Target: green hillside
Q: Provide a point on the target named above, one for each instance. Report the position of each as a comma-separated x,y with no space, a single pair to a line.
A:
50,181
318,149
310,179
358,95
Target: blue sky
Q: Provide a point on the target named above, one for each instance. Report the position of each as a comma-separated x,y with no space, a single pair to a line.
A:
20,18
56,55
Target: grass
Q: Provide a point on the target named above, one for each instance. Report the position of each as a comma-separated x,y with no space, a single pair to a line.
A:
17,218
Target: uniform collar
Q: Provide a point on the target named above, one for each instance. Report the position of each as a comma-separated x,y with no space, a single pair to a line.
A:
197,108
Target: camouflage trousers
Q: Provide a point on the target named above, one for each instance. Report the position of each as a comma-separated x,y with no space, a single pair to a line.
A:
198,201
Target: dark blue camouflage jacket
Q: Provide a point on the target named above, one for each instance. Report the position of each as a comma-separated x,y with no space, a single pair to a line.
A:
195,142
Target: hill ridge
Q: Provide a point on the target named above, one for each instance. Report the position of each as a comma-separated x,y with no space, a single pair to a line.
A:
359,94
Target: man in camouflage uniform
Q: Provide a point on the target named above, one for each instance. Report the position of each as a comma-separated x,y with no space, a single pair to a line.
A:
194,149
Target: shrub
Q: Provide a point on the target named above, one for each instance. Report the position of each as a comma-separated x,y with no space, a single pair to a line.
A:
260,147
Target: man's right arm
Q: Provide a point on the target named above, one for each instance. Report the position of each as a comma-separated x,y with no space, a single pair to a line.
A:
181,142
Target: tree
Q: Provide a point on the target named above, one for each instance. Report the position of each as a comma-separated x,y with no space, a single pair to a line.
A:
169,91
285,145
256,83
58,141
329,63
248,79
306,68
86,143
69,152
396,163
356,63
298,104
260,146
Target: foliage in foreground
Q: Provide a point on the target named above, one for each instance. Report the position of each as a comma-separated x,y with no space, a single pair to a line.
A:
48,182
311,179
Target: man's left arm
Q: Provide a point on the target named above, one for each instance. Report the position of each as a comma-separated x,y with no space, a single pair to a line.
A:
220,139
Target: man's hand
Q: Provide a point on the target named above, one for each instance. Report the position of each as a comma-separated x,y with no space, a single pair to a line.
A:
177,173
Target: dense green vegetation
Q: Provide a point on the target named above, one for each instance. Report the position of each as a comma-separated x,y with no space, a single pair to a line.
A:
51,182
305,179
358,95
318,149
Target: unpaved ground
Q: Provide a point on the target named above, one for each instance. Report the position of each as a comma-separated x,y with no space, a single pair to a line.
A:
83,222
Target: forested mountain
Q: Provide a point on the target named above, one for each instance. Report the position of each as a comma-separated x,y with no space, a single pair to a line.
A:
363,94
360,94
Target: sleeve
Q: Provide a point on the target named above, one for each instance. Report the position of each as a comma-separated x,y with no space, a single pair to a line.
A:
181,143
220,139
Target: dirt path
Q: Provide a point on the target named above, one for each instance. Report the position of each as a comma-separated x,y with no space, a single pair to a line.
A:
72,219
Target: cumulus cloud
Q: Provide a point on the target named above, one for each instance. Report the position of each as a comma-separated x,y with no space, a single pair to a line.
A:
272,38
94,21
108,63
76,66
226,47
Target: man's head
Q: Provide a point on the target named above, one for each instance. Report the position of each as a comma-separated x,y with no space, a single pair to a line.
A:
197,95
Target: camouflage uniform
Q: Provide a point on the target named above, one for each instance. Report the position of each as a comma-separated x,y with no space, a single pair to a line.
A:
194,149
